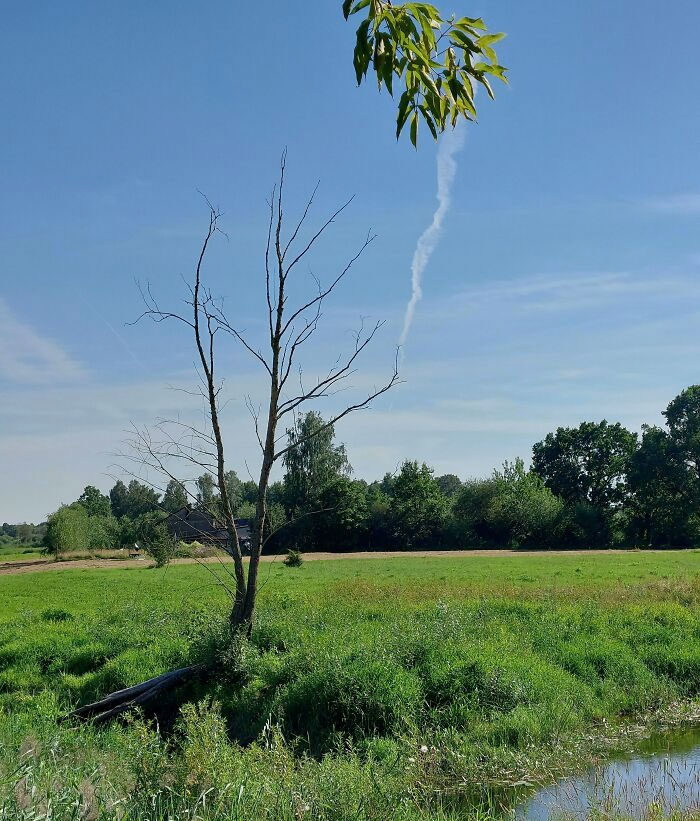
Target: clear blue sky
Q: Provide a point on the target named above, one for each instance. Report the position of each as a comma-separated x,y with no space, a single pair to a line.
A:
565,286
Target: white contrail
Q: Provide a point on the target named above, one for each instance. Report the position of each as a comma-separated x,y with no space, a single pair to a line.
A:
450,145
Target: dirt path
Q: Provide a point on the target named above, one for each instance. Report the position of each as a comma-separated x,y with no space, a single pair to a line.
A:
47,565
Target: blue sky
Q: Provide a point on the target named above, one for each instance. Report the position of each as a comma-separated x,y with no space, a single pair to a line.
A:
565,287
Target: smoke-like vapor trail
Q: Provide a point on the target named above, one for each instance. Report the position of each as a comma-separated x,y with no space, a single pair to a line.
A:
450,145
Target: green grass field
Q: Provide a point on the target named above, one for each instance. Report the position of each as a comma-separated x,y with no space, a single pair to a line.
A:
388,688
14,552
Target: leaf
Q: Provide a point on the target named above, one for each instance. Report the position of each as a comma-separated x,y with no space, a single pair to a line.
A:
471,23
346,8
429,120
490,53
489,39
485,83
361,4
363,51
465,41
428,81
414,129
404,110
497,71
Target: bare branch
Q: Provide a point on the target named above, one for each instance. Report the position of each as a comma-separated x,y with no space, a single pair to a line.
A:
302,220
350,409
315,237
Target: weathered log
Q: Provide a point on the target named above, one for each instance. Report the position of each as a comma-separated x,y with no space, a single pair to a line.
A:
122,700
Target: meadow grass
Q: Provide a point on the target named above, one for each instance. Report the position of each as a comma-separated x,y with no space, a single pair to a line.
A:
14,552
387,688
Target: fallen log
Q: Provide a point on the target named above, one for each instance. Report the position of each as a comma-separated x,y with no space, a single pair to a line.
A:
136,696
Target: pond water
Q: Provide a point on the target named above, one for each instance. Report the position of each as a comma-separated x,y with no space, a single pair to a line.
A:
665,770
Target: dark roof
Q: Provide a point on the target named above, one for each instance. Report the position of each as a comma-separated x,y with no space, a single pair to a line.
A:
198,525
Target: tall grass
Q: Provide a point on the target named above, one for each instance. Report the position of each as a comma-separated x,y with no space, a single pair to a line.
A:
359,695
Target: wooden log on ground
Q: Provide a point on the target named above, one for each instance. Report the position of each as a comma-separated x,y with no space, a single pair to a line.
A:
122,700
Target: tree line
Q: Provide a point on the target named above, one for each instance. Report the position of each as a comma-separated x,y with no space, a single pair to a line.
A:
595,485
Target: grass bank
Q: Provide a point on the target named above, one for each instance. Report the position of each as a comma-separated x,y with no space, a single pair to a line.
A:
400,688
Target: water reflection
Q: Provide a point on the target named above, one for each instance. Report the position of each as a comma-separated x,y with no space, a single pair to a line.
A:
665,771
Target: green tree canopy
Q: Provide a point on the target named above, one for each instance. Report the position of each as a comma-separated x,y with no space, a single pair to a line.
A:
661,512
343,523
68,529
94,502
683,422
206,490
522,508
175,496
311,463
118,499
417,509
134,500
587,464
141,499
235,489
449,484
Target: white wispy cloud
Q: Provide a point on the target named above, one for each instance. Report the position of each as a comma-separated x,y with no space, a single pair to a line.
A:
685,203
29,357
561,292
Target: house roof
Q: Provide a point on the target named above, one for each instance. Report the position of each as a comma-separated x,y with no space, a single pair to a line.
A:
200,521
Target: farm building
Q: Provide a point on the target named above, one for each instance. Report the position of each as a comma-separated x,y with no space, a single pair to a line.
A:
198,525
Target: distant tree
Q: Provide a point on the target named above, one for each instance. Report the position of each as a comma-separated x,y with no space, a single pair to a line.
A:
449,484
118,499
587,464
417,510
67,529
175,497
249,492
24,533
275,493
102,534
234,487
94,502
140,499
379,533
523,509
661,481
246,510
312,462
387,484
473,525
206,490
342,524
683,422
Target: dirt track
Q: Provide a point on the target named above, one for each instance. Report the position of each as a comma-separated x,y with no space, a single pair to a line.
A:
46,565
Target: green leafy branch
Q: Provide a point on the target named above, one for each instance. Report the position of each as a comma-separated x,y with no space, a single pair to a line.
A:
437,61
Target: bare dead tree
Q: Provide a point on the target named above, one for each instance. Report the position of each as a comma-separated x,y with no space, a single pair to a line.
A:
289,329
171,443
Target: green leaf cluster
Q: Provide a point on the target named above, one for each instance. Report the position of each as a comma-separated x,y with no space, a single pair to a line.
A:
438,62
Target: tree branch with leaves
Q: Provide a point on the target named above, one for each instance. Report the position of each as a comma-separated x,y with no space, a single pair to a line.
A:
438,62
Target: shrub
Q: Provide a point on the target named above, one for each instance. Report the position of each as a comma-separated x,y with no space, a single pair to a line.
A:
355,695
156,539
294,558
67,529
